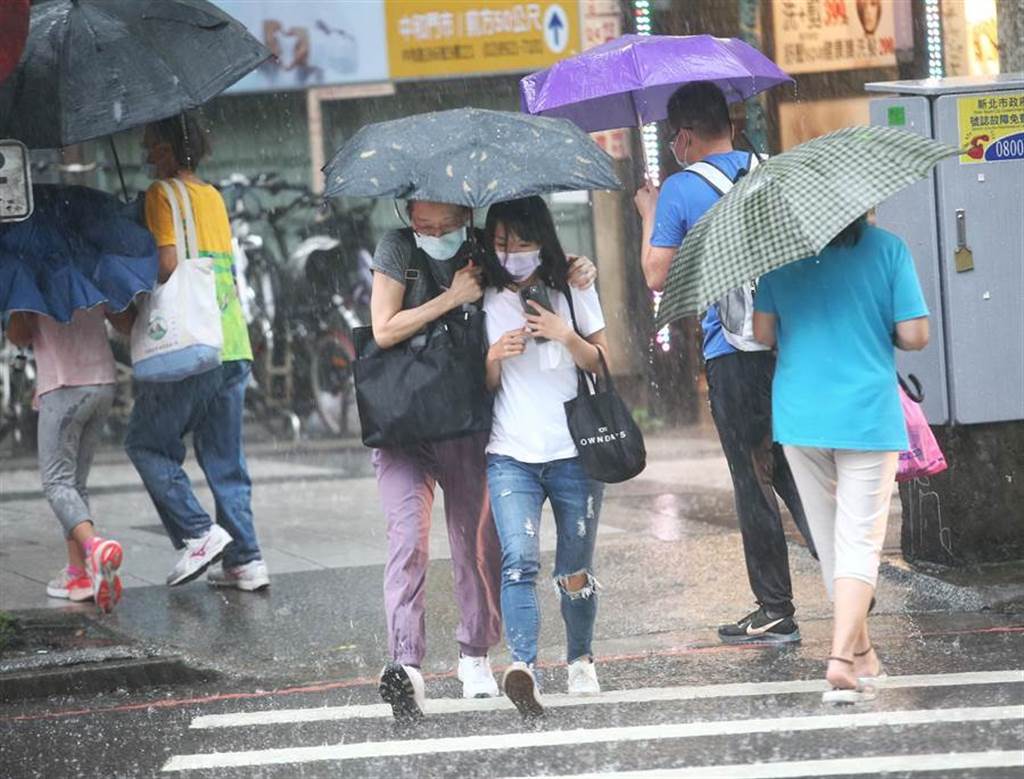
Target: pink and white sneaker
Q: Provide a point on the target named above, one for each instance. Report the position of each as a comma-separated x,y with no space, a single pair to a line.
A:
75,587
103,561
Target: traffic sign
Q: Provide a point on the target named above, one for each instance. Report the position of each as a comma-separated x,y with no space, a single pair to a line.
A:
15,182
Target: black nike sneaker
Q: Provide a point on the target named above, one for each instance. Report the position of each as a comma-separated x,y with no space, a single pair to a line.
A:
760,627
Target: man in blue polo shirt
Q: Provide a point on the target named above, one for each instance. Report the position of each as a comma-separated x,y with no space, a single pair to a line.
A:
739,370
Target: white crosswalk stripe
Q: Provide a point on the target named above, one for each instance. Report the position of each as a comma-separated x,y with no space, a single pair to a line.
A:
641,695
487,745
851,766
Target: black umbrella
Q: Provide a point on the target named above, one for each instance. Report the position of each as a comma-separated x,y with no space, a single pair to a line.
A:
97,67
468,156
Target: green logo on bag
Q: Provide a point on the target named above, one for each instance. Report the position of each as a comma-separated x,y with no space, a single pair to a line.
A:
157,328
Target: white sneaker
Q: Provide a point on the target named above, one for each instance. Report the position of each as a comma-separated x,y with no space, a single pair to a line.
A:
250,577
68,587
583,677
477,678
200,553
521,688
402,686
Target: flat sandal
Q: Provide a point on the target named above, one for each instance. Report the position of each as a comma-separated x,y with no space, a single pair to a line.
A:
871,680
859,694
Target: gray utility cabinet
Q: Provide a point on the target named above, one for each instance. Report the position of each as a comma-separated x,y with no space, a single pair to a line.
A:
973,369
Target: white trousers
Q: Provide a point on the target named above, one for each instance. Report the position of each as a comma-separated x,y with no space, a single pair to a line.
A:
846,496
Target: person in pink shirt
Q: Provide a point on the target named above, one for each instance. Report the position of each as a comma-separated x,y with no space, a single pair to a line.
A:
74,392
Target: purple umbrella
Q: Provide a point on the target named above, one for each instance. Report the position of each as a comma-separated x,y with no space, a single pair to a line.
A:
627,82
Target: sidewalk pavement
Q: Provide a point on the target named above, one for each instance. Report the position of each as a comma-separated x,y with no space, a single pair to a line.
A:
316,507
669,559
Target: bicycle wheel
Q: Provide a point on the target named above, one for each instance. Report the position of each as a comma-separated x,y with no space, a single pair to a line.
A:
331,360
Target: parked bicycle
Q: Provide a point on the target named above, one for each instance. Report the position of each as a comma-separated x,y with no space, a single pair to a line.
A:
17,385
302,302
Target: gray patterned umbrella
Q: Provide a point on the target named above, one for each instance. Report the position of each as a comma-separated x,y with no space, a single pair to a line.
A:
790,207
470,157
97,67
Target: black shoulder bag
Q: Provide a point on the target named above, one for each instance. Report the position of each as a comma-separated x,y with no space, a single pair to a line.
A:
610,445
431,387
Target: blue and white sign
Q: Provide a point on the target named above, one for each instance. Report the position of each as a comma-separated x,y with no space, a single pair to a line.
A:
315,42
556,28
1009,147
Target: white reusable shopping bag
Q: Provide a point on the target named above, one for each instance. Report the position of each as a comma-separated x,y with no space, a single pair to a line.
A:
177,331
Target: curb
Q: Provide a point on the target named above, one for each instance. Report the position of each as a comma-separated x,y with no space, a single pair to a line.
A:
91,678
65,652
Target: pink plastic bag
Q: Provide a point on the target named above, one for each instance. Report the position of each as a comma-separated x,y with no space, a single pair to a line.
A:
924,458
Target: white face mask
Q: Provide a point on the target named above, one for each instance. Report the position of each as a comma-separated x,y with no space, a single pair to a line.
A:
682,163
441,247
521,265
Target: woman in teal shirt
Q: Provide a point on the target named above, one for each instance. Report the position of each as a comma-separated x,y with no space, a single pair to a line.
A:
836,318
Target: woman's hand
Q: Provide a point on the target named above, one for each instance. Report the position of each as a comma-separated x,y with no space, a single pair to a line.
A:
548,325
467,285
582,272
511,344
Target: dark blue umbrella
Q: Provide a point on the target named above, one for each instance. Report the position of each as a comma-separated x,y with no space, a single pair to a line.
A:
77,250
468,156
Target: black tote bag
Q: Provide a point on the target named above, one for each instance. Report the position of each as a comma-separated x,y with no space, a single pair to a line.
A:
431,387
610,445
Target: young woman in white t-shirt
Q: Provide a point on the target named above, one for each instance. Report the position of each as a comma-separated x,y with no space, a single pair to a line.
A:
531,456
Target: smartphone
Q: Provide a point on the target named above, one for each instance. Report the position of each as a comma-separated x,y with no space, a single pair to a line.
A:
532,297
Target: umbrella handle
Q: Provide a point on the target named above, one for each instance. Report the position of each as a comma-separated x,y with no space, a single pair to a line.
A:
643,146
117,163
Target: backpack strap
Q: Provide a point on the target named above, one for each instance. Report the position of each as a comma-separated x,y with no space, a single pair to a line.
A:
712,176
718,179
418,262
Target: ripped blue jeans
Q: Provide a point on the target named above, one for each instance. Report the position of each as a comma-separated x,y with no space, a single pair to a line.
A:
518,491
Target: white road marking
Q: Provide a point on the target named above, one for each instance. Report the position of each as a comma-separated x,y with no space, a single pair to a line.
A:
847,766
554,738
641,695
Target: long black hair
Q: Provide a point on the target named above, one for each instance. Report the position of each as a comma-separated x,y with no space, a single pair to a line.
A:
530,219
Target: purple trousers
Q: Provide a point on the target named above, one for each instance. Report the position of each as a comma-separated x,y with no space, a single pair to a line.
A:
406,478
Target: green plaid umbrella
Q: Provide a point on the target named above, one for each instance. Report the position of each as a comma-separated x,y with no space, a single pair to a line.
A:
789,208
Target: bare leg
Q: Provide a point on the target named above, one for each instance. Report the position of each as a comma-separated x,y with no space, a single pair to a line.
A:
81,534
865,658
75,557
849,629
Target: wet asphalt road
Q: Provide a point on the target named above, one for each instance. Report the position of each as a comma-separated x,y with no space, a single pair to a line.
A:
953,698
676,702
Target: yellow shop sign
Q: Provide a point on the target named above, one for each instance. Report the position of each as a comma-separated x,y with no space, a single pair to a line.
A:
431,38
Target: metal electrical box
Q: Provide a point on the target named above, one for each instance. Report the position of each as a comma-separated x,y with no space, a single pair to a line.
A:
965,227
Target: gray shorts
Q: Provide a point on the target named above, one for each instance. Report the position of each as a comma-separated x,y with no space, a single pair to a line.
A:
70,422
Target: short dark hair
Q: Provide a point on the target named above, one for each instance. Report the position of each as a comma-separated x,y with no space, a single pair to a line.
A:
700,106
187,138
531,220
850,235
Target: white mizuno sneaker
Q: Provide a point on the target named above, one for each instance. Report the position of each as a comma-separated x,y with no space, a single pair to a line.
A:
199,554
250,577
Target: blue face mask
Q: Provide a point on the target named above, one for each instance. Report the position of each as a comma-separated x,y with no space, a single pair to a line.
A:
441,247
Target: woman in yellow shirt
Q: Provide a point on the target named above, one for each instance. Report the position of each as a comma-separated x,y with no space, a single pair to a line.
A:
208,405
